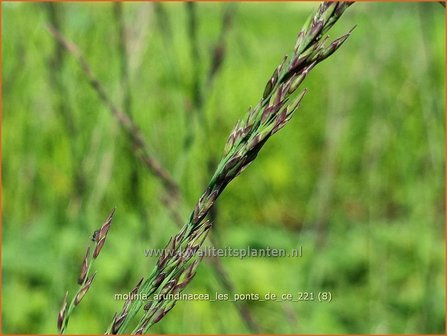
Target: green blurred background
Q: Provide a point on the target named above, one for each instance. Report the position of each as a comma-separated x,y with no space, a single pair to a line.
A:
356,178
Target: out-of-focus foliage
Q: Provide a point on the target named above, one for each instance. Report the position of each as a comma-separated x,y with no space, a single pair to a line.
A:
356,179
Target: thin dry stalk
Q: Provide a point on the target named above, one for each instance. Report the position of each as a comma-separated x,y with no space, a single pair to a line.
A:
163,22
60,102
220,47
195,54
118,11
129,127
193,113
200,92
124,62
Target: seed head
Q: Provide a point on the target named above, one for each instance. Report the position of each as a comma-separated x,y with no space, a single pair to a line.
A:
84,267
84,289
62,312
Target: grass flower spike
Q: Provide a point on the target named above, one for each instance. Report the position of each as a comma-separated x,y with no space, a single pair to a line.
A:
175,269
